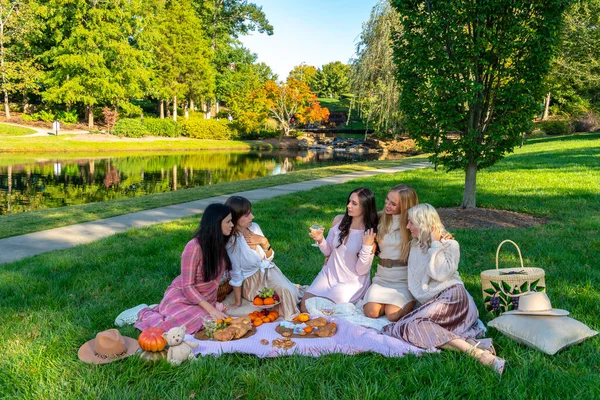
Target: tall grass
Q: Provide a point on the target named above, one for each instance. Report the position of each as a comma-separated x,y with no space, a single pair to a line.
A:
53,303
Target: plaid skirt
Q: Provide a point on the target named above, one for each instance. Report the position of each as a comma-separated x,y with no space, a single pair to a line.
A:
452,314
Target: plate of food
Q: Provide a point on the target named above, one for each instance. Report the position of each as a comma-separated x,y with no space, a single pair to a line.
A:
303,326
265,299
226,330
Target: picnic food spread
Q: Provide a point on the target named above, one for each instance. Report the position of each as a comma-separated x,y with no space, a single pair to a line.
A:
226,330
302,326
266,297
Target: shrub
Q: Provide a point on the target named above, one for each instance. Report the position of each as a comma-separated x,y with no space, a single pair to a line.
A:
587,122
68,117
130,127
556,127
163,127
199,128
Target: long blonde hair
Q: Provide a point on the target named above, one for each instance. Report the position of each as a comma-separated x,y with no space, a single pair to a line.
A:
426,218
408,198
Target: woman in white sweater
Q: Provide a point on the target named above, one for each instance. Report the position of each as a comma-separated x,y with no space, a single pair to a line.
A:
447,316
252,267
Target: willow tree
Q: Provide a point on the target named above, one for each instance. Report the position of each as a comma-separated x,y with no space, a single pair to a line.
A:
470,74
372,76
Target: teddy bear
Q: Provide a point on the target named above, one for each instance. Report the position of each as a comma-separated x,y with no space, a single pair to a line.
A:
179,349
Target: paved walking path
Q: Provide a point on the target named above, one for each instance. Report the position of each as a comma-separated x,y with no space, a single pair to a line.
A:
19,247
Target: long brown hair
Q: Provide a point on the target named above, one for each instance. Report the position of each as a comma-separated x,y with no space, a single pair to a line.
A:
408,198
240,206
369,209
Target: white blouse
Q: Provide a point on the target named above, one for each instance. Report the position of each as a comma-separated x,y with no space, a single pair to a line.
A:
245,261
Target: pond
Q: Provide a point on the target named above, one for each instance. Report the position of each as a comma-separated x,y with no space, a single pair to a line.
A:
50,181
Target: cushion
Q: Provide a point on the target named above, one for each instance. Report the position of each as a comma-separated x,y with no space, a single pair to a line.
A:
547,334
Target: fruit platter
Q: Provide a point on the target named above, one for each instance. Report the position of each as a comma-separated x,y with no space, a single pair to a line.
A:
225,330
303,326
266,299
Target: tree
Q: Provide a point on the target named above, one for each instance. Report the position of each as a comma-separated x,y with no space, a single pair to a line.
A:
372,75
304,73
292,100
92,61
470,74
574,80
332,80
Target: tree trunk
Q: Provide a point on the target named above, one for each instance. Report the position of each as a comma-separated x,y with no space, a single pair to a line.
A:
4,91
192,105
546,107
174,108
90,113
470,186
162,109
207,114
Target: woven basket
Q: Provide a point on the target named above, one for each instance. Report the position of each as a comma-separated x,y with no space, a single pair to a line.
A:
224,289
502,287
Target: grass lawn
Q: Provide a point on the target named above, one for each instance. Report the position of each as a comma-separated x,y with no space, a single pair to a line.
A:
11,130
72,143
53,303
33,221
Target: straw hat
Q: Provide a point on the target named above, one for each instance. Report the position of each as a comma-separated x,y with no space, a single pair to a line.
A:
537,303
108,346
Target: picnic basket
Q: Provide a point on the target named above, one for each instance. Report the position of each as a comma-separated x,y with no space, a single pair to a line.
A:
502,287
224,288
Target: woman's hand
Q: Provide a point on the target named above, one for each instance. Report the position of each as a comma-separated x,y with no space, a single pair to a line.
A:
368,238
254,240
216,314
316,235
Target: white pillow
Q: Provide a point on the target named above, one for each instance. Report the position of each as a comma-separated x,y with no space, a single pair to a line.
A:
545,333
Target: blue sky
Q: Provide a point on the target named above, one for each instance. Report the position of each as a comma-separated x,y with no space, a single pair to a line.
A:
312,31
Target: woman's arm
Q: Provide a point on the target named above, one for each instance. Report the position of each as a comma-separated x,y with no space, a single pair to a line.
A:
326,245
191,265
443,261
367,253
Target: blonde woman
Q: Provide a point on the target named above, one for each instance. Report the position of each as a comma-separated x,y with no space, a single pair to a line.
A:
447,317
389,294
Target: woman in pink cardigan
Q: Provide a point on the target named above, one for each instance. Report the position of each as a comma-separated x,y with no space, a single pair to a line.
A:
193,294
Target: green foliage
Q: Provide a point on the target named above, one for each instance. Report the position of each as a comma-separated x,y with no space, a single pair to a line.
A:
331,80
68,117
130,127
163,127
9,130
556,127
304,73
43,115
470,75
199,128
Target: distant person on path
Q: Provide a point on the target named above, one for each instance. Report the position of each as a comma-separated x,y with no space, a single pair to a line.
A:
388,294
193,294
447,317
252,261
349,249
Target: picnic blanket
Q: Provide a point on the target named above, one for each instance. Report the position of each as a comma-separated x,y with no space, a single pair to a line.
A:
349,339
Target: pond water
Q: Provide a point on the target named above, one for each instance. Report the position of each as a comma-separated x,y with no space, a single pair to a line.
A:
50,181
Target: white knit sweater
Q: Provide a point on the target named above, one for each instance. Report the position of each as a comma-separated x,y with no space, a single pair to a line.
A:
434,271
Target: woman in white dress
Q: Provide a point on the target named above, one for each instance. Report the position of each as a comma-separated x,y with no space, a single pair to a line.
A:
389,294
349,247
252,267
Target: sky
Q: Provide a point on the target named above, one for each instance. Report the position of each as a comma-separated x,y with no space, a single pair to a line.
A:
315,32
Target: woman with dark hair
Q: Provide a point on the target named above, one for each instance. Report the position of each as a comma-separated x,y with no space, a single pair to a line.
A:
193,294
350,247
252,261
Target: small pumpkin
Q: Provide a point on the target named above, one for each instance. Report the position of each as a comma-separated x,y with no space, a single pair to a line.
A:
152,339
153,356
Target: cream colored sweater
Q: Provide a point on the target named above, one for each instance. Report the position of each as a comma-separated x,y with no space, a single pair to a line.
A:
433,271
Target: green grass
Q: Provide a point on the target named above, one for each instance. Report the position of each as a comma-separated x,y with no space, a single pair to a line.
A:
53,303
11,130
69,143
33,221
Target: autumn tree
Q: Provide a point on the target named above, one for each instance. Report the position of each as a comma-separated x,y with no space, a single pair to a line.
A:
470,75
304,73
292,100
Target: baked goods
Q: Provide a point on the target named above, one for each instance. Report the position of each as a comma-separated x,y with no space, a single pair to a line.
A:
318,322
327,330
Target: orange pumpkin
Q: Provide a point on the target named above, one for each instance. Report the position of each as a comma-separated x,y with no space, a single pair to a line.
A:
152,339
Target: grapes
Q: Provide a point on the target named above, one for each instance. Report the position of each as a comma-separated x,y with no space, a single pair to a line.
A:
515,302
495,303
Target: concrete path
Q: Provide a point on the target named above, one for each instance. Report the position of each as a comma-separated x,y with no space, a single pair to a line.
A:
19,247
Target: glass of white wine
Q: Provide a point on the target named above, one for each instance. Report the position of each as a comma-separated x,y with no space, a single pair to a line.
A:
328,310
314,229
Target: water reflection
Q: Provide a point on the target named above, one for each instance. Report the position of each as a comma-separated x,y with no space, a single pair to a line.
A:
30,184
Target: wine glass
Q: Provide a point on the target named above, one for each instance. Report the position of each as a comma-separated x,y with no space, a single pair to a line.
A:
314,229
328,310
209,325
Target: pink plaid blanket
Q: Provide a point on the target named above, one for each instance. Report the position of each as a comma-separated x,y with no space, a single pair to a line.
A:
349,339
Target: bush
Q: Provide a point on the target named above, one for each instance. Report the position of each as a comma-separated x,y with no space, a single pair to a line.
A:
130,127
199,128
68,117
163,127
587,122
556,127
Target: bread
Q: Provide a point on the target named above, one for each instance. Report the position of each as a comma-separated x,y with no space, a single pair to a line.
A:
316,322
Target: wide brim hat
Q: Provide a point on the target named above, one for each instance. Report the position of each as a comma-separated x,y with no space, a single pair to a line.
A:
106,347
537,303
